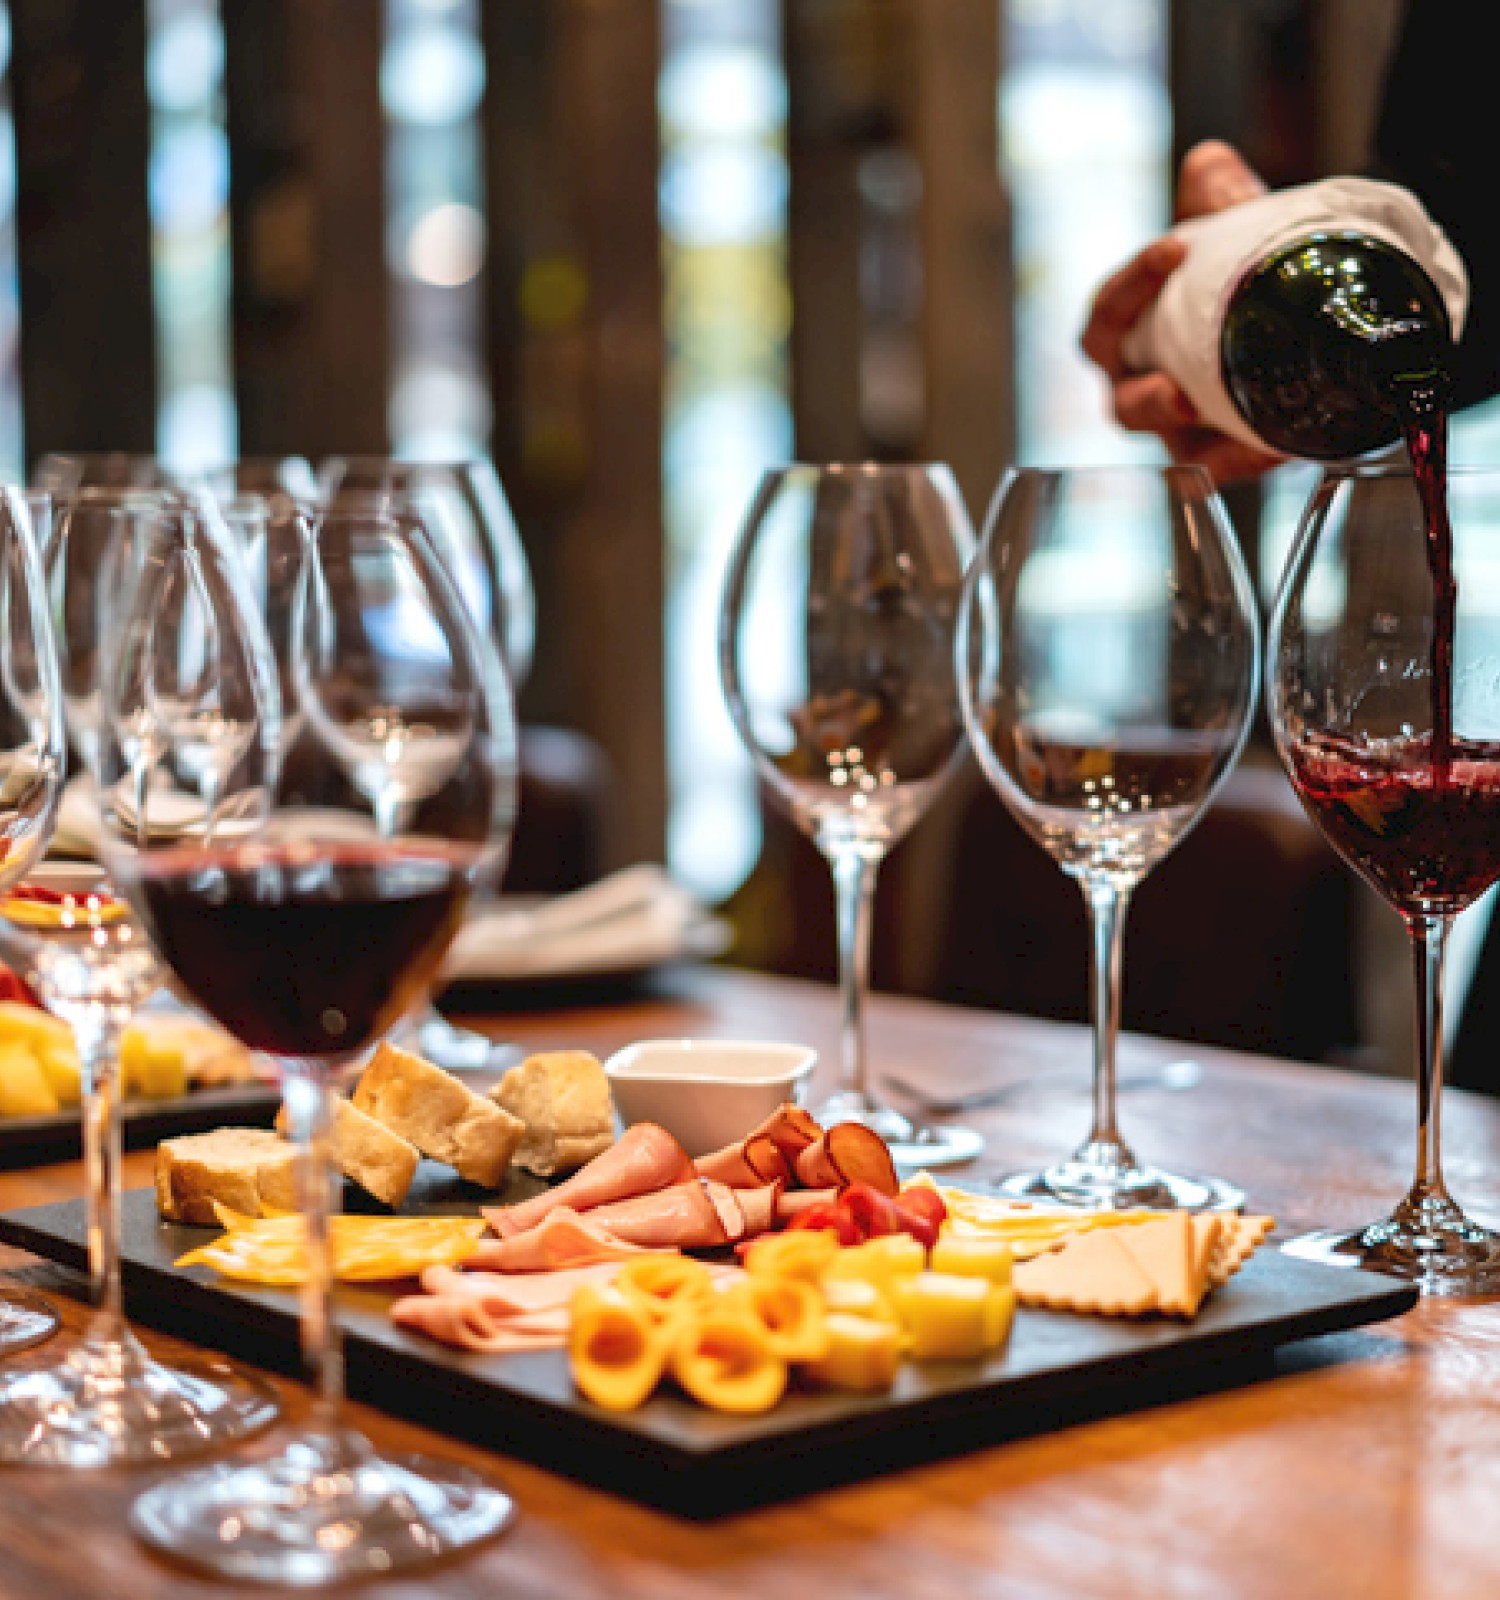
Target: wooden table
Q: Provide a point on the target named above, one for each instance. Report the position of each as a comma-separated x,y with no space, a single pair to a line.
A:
1365,1465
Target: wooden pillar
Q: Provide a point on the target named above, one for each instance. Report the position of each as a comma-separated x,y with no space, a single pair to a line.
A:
575,355
311,300
832,103
968,336
88,327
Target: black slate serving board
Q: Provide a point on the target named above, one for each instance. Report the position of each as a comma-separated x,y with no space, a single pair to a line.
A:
672,1453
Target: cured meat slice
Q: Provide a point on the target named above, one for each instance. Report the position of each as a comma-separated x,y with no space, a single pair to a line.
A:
695,1215
848,1153
644,1158
747,1165
562,1238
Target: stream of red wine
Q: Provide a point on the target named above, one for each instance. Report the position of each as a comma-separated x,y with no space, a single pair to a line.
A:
1424,413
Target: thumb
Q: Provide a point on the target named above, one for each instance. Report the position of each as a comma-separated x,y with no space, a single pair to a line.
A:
1215,176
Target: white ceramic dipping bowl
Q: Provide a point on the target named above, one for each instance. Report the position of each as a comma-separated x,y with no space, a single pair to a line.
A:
706,1092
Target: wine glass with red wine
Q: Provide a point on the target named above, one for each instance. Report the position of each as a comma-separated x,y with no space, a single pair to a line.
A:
1384,690
1109,654
104,1400
307,927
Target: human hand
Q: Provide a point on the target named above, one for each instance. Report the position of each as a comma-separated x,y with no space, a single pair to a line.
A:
1214,176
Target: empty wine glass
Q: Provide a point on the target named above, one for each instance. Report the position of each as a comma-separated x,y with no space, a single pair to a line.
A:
32,759
836,653
105,1401
1109,654
307,931
1384,692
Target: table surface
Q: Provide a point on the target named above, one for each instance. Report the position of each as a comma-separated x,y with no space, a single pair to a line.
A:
1364,1464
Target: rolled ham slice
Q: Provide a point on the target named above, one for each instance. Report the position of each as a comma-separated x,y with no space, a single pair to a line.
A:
488,1312
697,1215
562,1238
643,1159
749,1164
848,1153
790,1129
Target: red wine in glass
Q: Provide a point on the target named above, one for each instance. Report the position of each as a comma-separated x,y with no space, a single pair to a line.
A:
247,932
1429,844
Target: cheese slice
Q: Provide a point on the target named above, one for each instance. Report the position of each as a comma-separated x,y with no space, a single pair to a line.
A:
1163,1250
1094,1272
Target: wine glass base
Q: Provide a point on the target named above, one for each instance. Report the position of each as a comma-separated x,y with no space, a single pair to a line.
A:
25,1320
1122,1189
106,1405
912,1144
322,1511
1459,1258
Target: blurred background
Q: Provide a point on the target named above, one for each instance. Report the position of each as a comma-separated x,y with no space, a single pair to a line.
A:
636,250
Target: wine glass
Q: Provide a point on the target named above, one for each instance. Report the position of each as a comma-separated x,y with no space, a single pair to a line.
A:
1109,654
32,757
1384,694
106,1401
836,654
307,931
469,522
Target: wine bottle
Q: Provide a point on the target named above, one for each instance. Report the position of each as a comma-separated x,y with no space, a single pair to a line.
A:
1312,320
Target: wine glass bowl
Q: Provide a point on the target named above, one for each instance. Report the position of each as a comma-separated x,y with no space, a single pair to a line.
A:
836,657
1384,698
1108,654
307,930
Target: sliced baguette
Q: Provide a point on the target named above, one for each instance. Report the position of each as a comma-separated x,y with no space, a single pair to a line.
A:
382,1163
442,1117
564,1100
247,1169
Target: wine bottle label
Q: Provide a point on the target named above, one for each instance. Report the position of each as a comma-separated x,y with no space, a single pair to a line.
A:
1180,333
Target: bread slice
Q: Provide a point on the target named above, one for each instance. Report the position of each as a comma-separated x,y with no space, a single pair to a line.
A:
381,1162
247,1169
442,1117
564,1100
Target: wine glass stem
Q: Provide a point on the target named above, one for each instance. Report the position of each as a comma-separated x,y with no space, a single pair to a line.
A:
1429,935
98,1033
309,1105
1107,904
854,870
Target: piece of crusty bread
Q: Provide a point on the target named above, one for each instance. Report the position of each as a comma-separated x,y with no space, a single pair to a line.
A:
442,1117
563,1098
381,1162
247,1169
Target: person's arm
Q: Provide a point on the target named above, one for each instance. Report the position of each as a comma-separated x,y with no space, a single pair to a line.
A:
1214,176
1439,136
